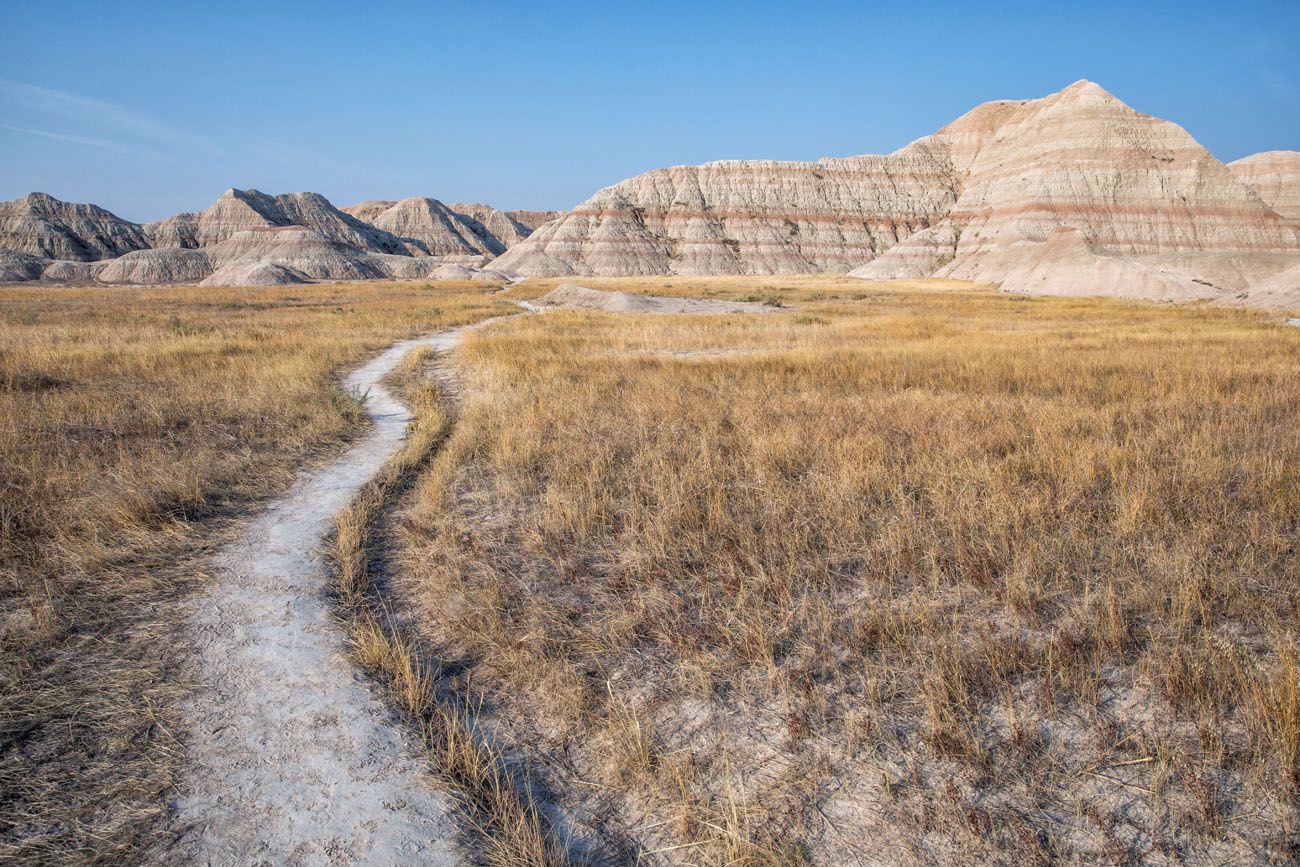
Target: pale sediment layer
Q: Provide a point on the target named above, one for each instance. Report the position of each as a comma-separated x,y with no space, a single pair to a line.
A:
1109,200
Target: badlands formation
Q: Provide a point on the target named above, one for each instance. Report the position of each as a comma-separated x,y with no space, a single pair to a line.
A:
42,226
470,230
249,238
1075,193
1275,175
435,229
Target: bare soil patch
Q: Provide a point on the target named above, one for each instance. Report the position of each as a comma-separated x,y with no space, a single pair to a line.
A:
572,296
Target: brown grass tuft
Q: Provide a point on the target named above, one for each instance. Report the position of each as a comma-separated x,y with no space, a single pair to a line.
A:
511,829
131,422
1037,554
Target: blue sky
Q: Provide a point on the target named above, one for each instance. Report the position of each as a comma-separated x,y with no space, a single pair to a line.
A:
151,108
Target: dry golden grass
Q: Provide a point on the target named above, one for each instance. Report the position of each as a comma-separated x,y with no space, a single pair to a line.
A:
923,570
129,418
495,801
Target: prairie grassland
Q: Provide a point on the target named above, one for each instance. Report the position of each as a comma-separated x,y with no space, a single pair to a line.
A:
507,823
131,419
901,574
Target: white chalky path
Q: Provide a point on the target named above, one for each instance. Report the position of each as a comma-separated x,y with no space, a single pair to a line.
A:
293,759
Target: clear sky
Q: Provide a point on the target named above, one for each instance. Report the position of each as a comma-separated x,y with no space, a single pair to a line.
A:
149,108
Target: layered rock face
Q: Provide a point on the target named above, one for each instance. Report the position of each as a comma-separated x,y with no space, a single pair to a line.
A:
436,230
254,274
1066,264
497,229
533,220
456,232
244,235
369,209
303,250
152,267
71,272
1275,176
1126,185
1075,193
17,266
239,210
744,217
41,225
181,230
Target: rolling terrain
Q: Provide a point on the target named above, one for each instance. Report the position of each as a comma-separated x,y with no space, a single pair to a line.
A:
871,510
910,568
914,564
1075,193
248,237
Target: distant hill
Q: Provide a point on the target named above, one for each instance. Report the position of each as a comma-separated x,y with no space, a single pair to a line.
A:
1075,193
250,235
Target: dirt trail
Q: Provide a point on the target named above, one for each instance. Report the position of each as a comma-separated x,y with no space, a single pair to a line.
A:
294,759
294,756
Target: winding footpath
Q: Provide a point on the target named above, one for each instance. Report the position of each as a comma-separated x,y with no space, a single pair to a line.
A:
294,757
